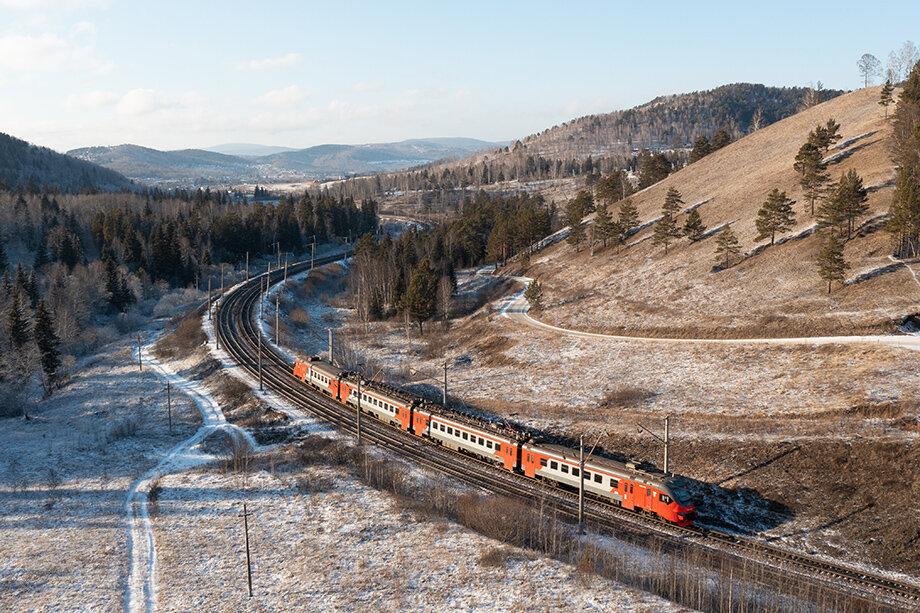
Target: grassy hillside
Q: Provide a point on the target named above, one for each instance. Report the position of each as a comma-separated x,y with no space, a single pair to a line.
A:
775,291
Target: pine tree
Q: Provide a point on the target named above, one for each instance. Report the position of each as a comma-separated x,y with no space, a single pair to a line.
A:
666,229
48,343
904,212
693,227
720,139
534,296
421,298
701,148
32,288
628,217
775,215
728,249
831,265
575,211
885,98
603,223
17,324
41,256
846,203
3,261
809,162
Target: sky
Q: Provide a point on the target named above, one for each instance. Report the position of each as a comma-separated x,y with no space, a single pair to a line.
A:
192,74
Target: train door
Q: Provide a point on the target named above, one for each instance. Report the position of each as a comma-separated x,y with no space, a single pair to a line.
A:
629,501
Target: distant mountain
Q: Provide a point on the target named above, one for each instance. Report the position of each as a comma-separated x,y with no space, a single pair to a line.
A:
247,149
22,163
206,167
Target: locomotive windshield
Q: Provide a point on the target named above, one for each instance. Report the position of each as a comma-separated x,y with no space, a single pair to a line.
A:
682,495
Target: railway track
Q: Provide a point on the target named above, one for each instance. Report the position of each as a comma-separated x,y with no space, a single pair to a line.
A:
237,333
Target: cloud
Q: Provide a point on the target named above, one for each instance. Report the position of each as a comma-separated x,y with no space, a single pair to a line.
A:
282,98
141,102
285,61
364,86
48,52
28,6
90,100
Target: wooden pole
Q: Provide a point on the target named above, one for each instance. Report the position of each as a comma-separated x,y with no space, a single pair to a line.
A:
330,345
248,562
140,366
277,314
445,384
247,266
209,298
169,406
581,485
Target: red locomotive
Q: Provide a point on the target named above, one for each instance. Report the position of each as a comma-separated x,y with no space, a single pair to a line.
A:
623,484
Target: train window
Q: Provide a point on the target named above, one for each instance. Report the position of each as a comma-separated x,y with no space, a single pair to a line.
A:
648,493
574,472
554,465
598,479
614,483
665,499
489,444
482,441
465,437
565,468
630,488
587,475
543,462
450,430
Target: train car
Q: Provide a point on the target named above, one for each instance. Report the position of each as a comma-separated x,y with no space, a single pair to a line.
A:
321,375
386,404
485,440
624,484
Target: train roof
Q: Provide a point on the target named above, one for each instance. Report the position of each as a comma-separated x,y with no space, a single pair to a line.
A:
492,427
326,368
641,472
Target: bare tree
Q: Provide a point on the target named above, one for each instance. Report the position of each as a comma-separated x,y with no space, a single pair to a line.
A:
909,55
895,67
869,67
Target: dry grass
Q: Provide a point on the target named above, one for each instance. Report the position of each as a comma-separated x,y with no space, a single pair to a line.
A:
774,293
185,338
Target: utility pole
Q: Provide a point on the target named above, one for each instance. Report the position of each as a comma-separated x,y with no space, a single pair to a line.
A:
140,366
259,334
666,440
312,252
444,398
581,484
221,278
330,345
169,406
277,309
245,517
285,268
358,418
247,266
209,298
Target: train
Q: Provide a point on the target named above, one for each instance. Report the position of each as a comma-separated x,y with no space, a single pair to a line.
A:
628,485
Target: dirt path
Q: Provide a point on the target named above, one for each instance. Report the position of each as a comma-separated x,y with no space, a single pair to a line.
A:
516,308
141,590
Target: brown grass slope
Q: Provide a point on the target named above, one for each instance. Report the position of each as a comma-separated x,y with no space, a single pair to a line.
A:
774,292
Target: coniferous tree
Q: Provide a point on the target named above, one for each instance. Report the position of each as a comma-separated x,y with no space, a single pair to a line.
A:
17,323
720,139
628,217
831,264
48,343
728,249
693,227
421,297
809,162
603,223
701,148
775,215
885,98
41,256
846,203
666,229
32,288
3,261
575,212
534,296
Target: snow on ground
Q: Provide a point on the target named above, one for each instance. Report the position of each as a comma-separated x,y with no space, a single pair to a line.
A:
64,477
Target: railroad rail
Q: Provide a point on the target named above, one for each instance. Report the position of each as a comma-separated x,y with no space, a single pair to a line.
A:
237,333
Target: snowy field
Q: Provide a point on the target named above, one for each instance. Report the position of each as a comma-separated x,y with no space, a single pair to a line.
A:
69,470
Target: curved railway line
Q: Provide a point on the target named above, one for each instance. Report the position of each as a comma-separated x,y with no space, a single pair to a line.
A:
237,333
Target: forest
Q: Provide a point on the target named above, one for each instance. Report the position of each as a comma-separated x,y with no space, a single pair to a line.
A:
78,268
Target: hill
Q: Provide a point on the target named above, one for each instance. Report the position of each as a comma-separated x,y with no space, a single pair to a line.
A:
22,163
203,167
774,290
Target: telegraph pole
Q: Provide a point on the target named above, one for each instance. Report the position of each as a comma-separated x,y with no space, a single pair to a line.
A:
245,515
209,298
444,399
140,366
581,485
358,418
169,406
221,278
259,334
247,266
277,308
666,440
312,252
330,345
